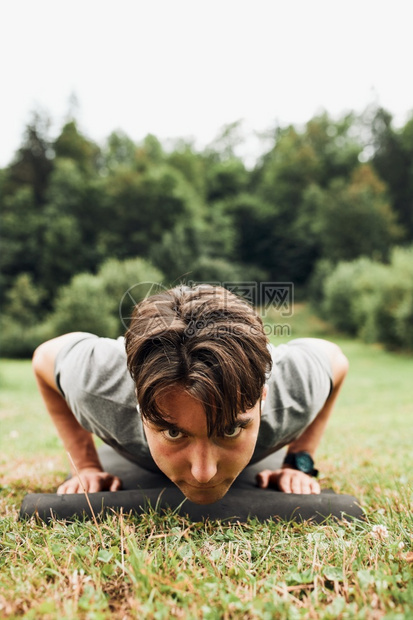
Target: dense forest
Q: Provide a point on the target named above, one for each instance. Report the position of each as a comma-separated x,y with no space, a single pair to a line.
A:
81,222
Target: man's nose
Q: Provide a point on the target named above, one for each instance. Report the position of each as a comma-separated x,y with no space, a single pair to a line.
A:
204,463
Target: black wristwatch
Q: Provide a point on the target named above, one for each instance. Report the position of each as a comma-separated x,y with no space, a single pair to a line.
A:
301,461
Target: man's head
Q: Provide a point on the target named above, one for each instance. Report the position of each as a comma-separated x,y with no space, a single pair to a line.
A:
198,357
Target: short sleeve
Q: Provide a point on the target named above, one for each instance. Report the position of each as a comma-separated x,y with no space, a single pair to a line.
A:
91,374
298,387
303,375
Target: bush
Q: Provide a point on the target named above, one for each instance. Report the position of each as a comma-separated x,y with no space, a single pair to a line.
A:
20,330
346,294
315,287
404,321
92,302
88,303
394,309
217,271
24,300
372,300
83,305
20,341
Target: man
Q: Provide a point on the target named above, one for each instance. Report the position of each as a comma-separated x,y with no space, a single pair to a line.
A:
213,396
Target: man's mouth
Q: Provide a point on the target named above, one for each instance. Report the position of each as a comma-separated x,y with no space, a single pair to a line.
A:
203,487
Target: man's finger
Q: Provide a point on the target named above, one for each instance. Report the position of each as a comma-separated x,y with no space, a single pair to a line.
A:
263,478
69,486
116,484
284,482
299,485
315,487
93,485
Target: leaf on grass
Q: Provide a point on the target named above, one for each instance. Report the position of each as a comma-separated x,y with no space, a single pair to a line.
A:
185,552
105,555
365,578
108,570
337,606
295,578
333,574
408,557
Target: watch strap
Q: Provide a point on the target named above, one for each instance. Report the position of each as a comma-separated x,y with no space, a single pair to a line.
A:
302,461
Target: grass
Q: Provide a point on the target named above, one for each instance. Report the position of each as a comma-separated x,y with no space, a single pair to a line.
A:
165,567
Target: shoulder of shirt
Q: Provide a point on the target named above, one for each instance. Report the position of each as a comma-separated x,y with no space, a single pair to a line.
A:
288,352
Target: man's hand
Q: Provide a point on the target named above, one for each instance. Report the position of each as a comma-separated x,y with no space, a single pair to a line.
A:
92,481
288,480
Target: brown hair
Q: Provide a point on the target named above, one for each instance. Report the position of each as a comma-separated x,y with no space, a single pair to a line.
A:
205,339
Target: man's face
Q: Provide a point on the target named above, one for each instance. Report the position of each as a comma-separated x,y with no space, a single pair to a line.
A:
202,467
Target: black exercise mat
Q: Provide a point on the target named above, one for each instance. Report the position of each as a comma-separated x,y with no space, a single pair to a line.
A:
143,489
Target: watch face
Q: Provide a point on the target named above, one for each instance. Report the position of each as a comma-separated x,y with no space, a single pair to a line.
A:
304,462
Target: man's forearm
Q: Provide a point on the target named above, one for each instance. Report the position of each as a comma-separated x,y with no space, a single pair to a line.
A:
77,441
310,439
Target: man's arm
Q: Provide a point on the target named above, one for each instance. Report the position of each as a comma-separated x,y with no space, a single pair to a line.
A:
291,480
77,441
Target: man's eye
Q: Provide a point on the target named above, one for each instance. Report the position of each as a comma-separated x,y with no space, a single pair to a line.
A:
172,434
231,433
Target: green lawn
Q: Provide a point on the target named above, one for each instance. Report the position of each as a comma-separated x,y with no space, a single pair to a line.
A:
164,567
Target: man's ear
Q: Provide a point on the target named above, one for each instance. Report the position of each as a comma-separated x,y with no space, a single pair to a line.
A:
264,395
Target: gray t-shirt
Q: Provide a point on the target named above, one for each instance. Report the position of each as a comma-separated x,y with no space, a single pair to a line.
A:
92,376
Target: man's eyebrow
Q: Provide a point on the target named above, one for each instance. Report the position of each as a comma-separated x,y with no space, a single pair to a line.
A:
169,425
243,421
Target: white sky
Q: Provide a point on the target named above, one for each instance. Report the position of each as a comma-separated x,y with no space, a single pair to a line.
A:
182,68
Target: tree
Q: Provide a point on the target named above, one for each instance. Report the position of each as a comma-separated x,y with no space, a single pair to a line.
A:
178,250
119,150
352,219
225,144
334,145
393,160
24,187
140,207
250,218
71,144
190,164
149,153
226,174
72,223
226,178
301,159
33,162
20,237
62,251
